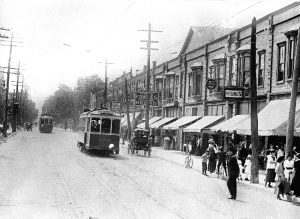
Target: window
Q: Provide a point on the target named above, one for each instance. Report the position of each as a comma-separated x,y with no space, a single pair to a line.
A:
105,125
291,57
261,69
115,126
190,85
95,125
281,62
231,70
220,75
171,87
194,111
197,80
176,86
243,76
181,84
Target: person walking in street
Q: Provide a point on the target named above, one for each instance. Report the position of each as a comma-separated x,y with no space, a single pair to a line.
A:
212,157
233,172
242,154
295,186
204,158
248,168
221,159
270,175
198,147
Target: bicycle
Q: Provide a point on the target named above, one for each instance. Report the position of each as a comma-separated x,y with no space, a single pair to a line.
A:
188,162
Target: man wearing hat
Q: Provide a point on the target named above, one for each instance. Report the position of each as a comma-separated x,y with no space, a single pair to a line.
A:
233,172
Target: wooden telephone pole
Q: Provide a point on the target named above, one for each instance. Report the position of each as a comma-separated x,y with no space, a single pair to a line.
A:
254,119
149,41
291,120
105,81
127,107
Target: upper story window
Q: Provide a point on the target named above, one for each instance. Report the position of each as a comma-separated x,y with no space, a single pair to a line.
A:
220,75
190,84
243,71
281,62
261,69
232,69
176,86
291,63
197,80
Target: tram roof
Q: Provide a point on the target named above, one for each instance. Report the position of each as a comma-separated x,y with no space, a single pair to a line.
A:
102,112
46,116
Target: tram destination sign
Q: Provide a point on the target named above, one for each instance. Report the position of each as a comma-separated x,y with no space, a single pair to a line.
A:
233,93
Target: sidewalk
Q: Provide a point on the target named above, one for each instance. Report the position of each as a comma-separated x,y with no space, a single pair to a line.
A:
178,157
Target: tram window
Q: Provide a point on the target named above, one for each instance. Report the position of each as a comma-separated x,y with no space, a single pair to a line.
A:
105,126
46,121
95,125
115,126
50,121
88,124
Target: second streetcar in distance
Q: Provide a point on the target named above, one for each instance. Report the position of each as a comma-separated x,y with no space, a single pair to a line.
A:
45,123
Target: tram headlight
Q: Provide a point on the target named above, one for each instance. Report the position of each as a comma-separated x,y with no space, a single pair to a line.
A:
111,146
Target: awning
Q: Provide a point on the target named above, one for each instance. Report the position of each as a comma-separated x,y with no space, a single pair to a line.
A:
203,123
230,124
243,48
152,120
272,120
158,77
185,120
161,122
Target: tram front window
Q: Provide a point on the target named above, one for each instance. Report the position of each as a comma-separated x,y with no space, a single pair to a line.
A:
116,126
95,125
105,126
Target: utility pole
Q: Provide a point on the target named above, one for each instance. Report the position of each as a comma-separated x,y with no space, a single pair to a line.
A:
15,104
148,71
291,120
127,107
254,119
20,115
105,81
134,102
5,125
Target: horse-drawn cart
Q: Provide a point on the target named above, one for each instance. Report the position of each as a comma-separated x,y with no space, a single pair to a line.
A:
140,141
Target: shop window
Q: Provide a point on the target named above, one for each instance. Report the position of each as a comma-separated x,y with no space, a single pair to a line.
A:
281,62
261,69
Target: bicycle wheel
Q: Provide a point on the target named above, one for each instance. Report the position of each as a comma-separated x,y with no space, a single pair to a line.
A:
191,162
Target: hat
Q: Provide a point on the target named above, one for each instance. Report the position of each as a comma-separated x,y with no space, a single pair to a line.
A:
249,156
272,150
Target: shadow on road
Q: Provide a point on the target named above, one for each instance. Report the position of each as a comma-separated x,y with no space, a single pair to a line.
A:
104,155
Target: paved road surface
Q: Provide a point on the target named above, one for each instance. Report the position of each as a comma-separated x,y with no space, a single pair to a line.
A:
46,176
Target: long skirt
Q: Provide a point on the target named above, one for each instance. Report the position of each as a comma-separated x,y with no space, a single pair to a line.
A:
212,165
270,177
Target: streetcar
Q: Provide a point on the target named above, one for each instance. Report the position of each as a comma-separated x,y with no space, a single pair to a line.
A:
45,123
99,130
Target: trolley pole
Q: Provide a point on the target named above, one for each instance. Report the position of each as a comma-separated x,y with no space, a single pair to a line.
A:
291,120
148,72
105,81
254,119
5,125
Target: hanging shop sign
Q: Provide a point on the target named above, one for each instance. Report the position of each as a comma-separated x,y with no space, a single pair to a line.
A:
233,93
211,84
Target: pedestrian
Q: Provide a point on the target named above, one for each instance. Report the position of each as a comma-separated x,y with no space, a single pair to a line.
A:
233,172
288,165
198,148
204,158
248,168
279,188
189,148
295,186
221,159
212,157
270,174
242,154
280,151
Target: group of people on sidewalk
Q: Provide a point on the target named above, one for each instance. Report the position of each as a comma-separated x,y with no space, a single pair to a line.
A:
285,173
237,161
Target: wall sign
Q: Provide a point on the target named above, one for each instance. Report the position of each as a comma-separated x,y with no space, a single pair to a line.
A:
211,84
233,93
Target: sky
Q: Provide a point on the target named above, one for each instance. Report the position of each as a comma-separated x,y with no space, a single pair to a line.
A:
58,41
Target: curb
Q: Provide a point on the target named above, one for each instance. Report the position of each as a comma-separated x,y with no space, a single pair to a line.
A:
9,136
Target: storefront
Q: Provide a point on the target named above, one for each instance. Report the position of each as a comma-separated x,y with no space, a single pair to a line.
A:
175,129
152,120
156,129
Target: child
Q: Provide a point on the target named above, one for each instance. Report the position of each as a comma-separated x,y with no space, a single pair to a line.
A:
204,158
248,168
241,169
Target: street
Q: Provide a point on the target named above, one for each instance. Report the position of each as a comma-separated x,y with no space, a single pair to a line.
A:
46,176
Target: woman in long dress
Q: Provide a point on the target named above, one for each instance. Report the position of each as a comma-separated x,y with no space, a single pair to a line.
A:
295,186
